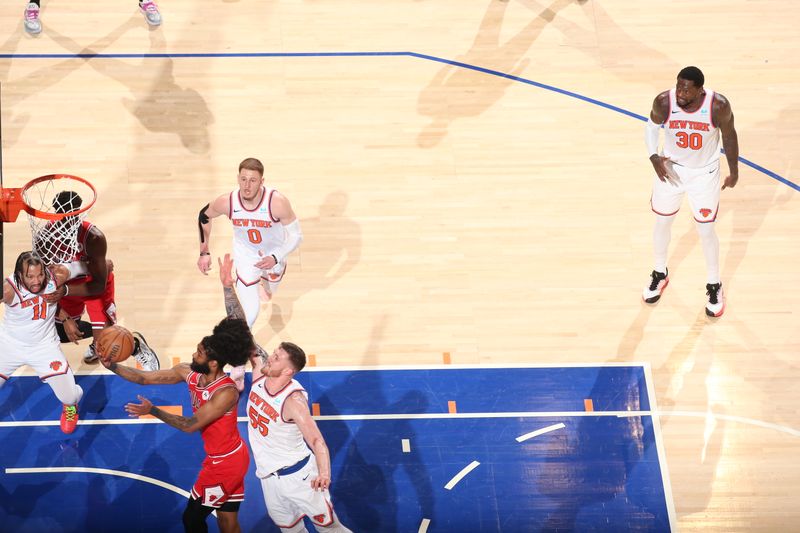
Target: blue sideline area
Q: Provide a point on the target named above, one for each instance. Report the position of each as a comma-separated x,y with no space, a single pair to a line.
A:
600,472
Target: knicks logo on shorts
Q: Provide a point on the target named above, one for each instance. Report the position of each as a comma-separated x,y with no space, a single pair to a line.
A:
55,365
705,212
320,518
274,277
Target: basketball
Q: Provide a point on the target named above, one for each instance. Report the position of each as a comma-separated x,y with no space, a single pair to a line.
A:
114,342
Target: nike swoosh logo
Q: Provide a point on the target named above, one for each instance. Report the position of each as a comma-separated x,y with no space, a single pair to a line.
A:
238,210
215,462
676,111
305,478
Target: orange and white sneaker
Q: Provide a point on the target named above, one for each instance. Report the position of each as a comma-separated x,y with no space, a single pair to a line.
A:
716,300
658,282
69,418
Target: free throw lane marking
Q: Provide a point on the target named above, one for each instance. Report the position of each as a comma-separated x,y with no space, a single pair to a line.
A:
171,409
464,471
541,431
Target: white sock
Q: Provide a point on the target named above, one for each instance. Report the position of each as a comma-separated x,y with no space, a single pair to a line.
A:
710,243
662,233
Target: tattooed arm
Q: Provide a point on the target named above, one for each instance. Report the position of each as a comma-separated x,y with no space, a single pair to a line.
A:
234,308
220,403
176,374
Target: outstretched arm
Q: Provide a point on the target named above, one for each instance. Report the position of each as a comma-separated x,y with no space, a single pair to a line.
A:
234,308
176,374
221,402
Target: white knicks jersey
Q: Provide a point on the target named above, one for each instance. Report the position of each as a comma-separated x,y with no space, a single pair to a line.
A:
255,230
275,443
691,138
29,319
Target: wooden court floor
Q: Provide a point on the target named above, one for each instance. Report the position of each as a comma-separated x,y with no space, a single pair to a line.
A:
447,209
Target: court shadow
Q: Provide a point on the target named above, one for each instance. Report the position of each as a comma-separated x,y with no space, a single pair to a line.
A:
336,241
602,470
366,491
159,103
456,92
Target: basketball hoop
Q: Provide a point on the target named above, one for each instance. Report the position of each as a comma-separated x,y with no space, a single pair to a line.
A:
56,205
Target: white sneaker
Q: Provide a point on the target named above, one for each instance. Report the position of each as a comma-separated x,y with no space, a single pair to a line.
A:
145,355
237,375
32,23
658,282
716,300
90,356
150,11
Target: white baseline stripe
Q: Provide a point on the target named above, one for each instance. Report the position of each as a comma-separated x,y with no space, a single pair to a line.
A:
521,414
103,471
464,471
538,432
636,364
734,418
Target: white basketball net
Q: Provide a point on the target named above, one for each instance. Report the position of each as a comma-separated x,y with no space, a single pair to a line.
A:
56,241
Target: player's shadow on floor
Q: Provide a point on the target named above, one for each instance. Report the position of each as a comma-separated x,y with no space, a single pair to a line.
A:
605,467
365,487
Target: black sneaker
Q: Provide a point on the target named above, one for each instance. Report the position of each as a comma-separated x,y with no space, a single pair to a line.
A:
716,299
658,282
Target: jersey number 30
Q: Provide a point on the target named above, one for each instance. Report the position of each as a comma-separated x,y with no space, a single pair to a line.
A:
693,141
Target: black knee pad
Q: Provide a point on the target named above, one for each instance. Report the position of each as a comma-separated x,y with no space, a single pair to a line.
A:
194,517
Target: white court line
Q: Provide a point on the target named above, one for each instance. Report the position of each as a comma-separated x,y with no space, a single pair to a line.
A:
423,526
105,372
406,444
521,414
733,418
104,471
661,451
464,471
542,431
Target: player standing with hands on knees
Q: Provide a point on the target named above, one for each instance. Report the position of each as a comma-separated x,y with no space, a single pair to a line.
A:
693,118
265,232
220,483
295,479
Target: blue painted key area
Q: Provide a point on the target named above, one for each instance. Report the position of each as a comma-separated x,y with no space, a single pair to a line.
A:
600,472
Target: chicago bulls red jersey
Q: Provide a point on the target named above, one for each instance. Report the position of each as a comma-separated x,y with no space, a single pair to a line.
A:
220,436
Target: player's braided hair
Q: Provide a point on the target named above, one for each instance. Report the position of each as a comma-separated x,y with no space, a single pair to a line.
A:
24,262
230,343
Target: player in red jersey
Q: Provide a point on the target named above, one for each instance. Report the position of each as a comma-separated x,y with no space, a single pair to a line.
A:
220,483
94,292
